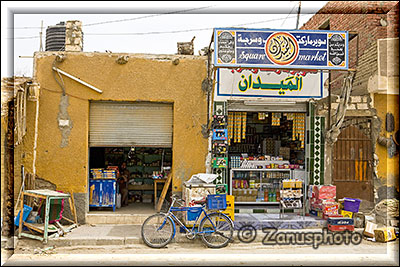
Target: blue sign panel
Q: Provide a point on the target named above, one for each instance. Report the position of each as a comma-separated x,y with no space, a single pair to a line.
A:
301,49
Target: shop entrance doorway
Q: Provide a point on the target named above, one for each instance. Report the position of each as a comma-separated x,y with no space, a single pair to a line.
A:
352,162
138,134
265,149
144,165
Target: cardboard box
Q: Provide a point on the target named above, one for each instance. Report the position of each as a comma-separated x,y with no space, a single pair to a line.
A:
385,234
369,229
340,221
394,223
347,214
330,209
327,216
335,228
325,191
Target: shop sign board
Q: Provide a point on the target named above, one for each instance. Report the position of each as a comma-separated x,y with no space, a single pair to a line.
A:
270,83
296,49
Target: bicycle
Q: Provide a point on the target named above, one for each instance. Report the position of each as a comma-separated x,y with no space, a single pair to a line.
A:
215,229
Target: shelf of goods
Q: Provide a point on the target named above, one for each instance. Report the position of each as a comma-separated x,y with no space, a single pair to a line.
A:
257,186
292,195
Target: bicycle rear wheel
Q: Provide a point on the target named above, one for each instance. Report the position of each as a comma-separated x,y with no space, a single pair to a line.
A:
157,230
220,229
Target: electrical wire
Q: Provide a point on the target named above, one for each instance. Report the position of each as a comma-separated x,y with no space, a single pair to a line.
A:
171,32
30,37
148,16
180,31
289,14
122,20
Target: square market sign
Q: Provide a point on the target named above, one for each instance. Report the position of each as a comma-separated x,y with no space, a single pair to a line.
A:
302,49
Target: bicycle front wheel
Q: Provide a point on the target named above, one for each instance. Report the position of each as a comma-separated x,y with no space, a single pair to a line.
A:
217,230
157,230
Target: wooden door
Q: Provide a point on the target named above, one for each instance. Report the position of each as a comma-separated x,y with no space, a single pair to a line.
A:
352,163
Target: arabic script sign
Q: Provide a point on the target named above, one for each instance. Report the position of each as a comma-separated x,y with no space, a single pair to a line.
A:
281,49
245,83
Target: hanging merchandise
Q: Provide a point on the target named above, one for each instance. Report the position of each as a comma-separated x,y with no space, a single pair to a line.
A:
289,116
244,120
295,128
234,126
220,134
298,128
230,126
276,119
301,128
239,126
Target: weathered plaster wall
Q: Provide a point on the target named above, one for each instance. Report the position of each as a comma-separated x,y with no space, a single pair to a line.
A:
142,78
388,168
3,134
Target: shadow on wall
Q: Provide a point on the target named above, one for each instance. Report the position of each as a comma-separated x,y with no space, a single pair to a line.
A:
385,192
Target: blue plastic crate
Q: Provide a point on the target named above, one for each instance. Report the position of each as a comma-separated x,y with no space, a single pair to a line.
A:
216,202
27,210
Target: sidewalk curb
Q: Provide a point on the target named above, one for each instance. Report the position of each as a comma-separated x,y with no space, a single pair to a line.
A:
134,240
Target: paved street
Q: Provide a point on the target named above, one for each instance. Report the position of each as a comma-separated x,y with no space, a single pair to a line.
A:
236,254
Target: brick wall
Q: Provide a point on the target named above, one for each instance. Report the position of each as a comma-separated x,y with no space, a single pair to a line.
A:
363,17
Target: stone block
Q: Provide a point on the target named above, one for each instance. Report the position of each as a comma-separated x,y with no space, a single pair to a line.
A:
351,106
362,106
356,99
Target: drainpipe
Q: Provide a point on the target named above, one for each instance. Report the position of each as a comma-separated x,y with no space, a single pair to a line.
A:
36,137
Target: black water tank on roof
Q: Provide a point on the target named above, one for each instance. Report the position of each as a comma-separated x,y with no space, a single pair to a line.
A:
55,37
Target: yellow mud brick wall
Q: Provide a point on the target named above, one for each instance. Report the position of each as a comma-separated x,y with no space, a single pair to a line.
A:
142,78
388,168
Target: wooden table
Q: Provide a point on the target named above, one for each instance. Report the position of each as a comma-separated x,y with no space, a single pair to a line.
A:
157,181
47,195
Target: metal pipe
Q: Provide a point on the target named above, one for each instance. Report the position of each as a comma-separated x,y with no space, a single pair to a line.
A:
78,80
329,100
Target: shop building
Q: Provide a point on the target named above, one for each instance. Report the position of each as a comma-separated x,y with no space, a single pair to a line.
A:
97,110
266,116
363,162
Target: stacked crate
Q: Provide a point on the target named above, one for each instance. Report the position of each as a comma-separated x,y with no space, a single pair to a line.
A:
340,223
109,174
323,200
97,173
230,207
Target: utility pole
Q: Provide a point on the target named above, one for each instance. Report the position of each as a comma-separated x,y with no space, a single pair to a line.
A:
41,33
298,16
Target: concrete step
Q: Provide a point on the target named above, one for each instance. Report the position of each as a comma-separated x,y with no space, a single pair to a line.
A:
135,219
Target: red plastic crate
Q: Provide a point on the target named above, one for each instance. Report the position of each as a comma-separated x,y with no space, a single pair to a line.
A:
335,228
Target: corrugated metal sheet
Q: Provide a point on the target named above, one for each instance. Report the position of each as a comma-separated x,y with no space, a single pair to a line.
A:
130,124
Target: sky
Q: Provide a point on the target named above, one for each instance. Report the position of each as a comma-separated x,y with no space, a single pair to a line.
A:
151,27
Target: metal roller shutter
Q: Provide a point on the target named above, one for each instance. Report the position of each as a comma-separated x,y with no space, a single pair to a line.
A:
130,124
